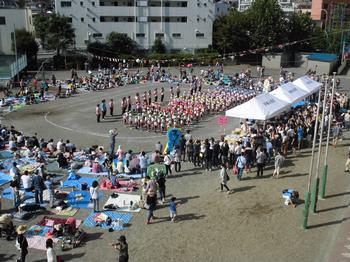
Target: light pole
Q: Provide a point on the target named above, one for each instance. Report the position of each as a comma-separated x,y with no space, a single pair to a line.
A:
325,166
317,179
326,20
307,194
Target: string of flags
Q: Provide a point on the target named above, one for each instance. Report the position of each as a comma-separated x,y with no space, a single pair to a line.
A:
195,57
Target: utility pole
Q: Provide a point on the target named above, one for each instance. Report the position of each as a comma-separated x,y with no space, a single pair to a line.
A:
15,46
325,166
307,193
317,179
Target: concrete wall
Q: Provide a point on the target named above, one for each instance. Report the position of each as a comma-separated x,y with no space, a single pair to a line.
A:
275,61
200,17
21,19
300,59
321,67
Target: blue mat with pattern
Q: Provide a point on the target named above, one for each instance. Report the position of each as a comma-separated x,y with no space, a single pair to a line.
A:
4,178
89,221
84,202
77,182
87,171
133,176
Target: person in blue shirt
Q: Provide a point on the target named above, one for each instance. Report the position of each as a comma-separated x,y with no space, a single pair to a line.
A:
291,197
49,186
300,133
103,108
172,209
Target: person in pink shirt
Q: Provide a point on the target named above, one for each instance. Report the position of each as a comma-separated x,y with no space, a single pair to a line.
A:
98,113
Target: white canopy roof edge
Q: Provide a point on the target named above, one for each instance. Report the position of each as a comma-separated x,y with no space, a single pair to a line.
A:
307,84
261,107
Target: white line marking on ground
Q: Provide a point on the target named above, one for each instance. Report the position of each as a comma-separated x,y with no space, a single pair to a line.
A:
93,133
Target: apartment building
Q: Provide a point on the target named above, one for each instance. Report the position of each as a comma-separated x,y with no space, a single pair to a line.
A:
180,24
286,5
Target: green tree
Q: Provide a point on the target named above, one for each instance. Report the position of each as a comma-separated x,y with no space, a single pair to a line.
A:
121,44
60,33
158,46
98,48
299,27
41,23
231,32
267,23
25,43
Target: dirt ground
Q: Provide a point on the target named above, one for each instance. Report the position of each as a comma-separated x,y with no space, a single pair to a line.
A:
250,224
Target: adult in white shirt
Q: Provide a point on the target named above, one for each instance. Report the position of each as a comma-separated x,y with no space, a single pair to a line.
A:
27,181
59,145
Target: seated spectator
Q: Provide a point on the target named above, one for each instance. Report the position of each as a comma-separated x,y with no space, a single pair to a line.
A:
96,167
27,182
62,160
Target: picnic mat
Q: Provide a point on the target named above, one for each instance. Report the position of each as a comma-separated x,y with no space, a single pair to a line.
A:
122,202
80,199
126,186
6,154
4,178
126,218
68,212
38,242
87,171
77,182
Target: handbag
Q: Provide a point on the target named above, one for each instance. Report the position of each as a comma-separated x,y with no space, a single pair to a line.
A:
235,170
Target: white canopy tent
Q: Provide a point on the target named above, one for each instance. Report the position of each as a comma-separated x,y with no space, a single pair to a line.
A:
307,84
289,93
261,107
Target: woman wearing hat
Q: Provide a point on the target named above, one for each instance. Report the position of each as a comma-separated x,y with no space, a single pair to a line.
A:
122,246
21,242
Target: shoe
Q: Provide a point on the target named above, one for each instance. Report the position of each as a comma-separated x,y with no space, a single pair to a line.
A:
228,192
148,223
221,190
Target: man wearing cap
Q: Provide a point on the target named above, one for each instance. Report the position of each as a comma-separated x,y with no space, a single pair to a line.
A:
122,246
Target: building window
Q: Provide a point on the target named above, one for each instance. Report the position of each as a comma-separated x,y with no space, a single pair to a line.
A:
97,35
82,19
102,3
115,19
2,20
66,3
184,4
199,35
167,19
93,3
115,3
177,35
102,19
93,19
159,35
81,3
184,19
140,35
70,20
167,4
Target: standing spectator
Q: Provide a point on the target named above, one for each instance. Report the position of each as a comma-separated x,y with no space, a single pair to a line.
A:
50,252
347,120
111,107
279,159
21,243
143,161
159,147
177,159
49,186
112,135
240,164
172,209
15,189
162,94
189,150
38,183
167,162
98,113
103,108
161,186
122,246
260,162
347,163
337,133
14,171
224,152
94,195
27,182
151,202
223,179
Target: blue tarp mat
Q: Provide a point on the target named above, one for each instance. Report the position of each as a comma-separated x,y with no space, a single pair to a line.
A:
87,171
6,154
82,203
89,221
4,178
77,182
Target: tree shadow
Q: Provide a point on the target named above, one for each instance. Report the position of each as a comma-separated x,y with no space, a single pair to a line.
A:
183,200
183,217
339,194
67,257
177,175
328,223
332,208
